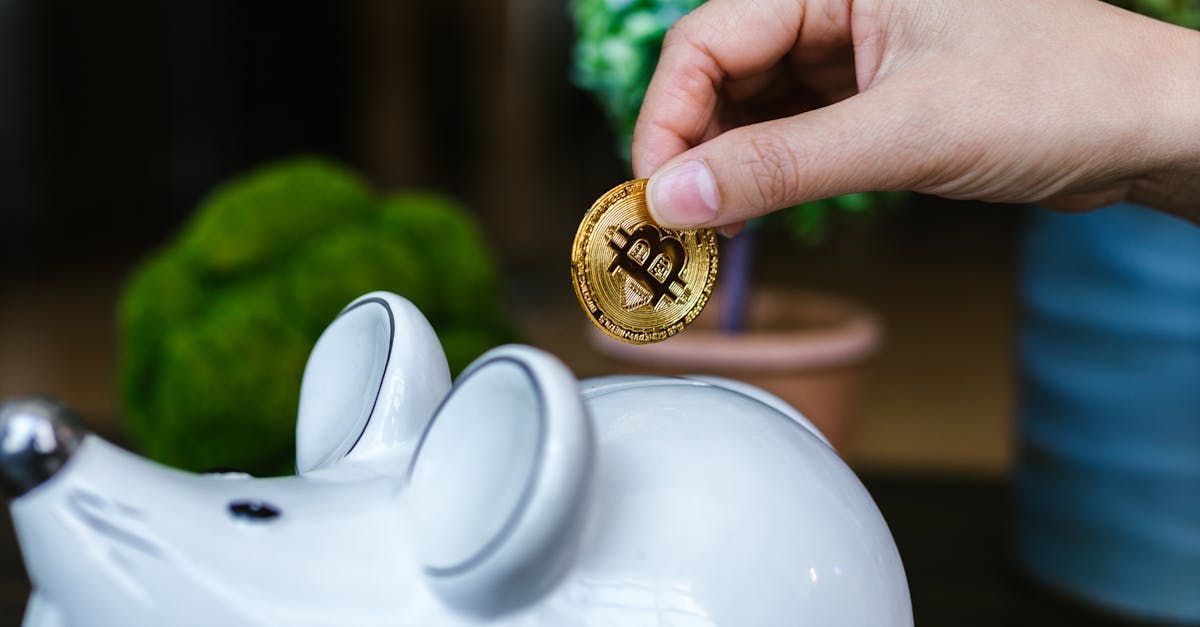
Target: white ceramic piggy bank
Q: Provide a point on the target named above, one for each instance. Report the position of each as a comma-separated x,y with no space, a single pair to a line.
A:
516,497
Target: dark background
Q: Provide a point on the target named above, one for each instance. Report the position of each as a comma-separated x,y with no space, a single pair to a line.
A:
117,118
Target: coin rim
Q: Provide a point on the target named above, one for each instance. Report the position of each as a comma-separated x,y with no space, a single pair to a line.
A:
579,278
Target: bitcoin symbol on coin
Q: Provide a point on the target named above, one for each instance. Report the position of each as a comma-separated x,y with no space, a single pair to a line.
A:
638,281
651,262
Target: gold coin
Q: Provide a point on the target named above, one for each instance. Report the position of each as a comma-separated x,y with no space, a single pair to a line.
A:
637,281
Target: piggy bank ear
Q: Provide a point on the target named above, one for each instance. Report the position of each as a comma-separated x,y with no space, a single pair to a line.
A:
499,482
370,386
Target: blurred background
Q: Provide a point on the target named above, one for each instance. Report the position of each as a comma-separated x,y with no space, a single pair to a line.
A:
117,121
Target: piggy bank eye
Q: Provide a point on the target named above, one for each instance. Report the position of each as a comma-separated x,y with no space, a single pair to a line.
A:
253,511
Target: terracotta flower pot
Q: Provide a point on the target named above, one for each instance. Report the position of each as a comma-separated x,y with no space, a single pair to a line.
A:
810,349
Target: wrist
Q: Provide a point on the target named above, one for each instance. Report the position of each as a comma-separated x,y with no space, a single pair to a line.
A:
1170,119
1173,102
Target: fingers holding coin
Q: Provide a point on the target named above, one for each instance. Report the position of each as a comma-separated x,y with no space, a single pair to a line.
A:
637,281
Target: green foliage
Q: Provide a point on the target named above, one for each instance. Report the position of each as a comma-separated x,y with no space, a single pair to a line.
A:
1185,13
616,48
810,222
216,327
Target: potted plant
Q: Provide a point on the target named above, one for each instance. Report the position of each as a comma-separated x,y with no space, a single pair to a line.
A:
807,347
217,326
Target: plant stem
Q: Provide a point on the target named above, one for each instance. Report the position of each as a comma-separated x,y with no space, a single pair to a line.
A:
736,264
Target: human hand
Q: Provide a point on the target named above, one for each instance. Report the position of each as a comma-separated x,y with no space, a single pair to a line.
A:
759,105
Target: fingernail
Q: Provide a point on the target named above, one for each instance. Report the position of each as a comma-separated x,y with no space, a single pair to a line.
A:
683,195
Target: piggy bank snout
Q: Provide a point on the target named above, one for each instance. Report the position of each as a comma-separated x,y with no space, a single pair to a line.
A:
37,437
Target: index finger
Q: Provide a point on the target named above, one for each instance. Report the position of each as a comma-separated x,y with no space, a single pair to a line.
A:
719,41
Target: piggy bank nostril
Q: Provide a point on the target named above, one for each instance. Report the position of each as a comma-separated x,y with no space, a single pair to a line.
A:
37,437
253,511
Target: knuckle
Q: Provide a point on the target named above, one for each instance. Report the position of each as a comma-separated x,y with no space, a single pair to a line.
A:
772,171
671,37
690,34
677,34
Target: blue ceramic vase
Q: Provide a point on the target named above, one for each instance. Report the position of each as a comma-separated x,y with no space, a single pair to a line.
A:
1108,479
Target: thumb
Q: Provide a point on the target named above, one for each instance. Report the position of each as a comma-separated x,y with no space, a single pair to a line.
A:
858,144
